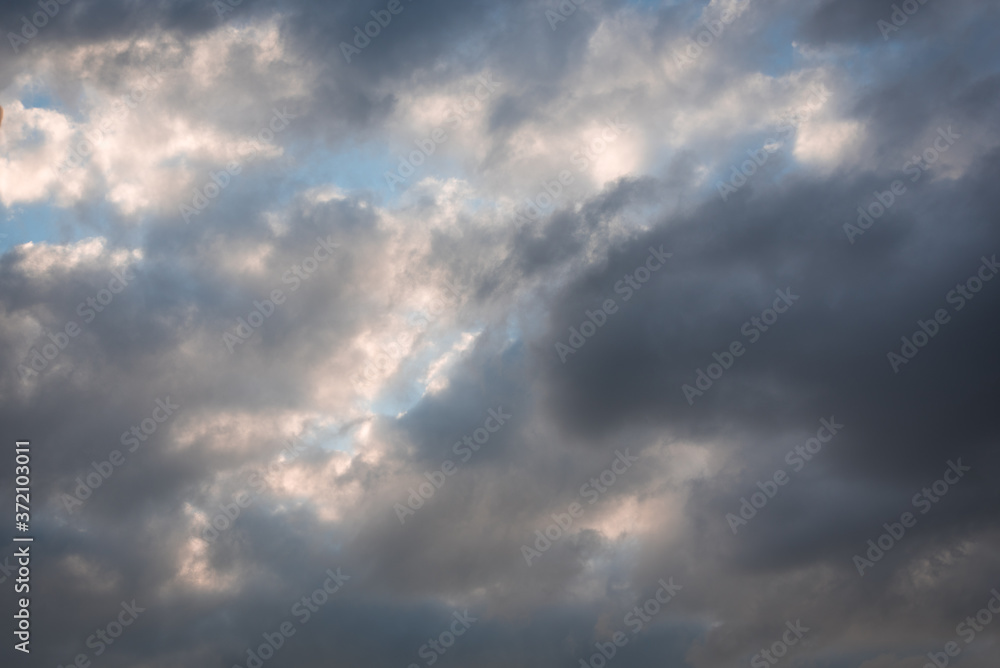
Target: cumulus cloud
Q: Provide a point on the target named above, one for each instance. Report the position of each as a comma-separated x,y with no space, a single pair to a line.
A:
271,318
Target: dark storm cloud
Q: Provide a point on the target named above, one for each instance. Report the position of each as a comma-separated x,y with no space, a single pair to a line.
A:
858,21
523,287
825,358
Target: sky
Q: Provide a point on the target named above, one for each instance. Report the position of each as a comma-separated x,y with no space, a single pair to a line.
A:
501,333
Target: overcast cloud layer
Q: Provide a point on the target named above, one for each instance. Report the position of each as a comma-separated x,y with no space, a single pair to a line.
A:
508,323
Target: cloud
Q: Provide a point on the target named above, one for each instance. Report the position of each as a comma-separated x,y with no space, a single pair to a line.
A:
331,343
